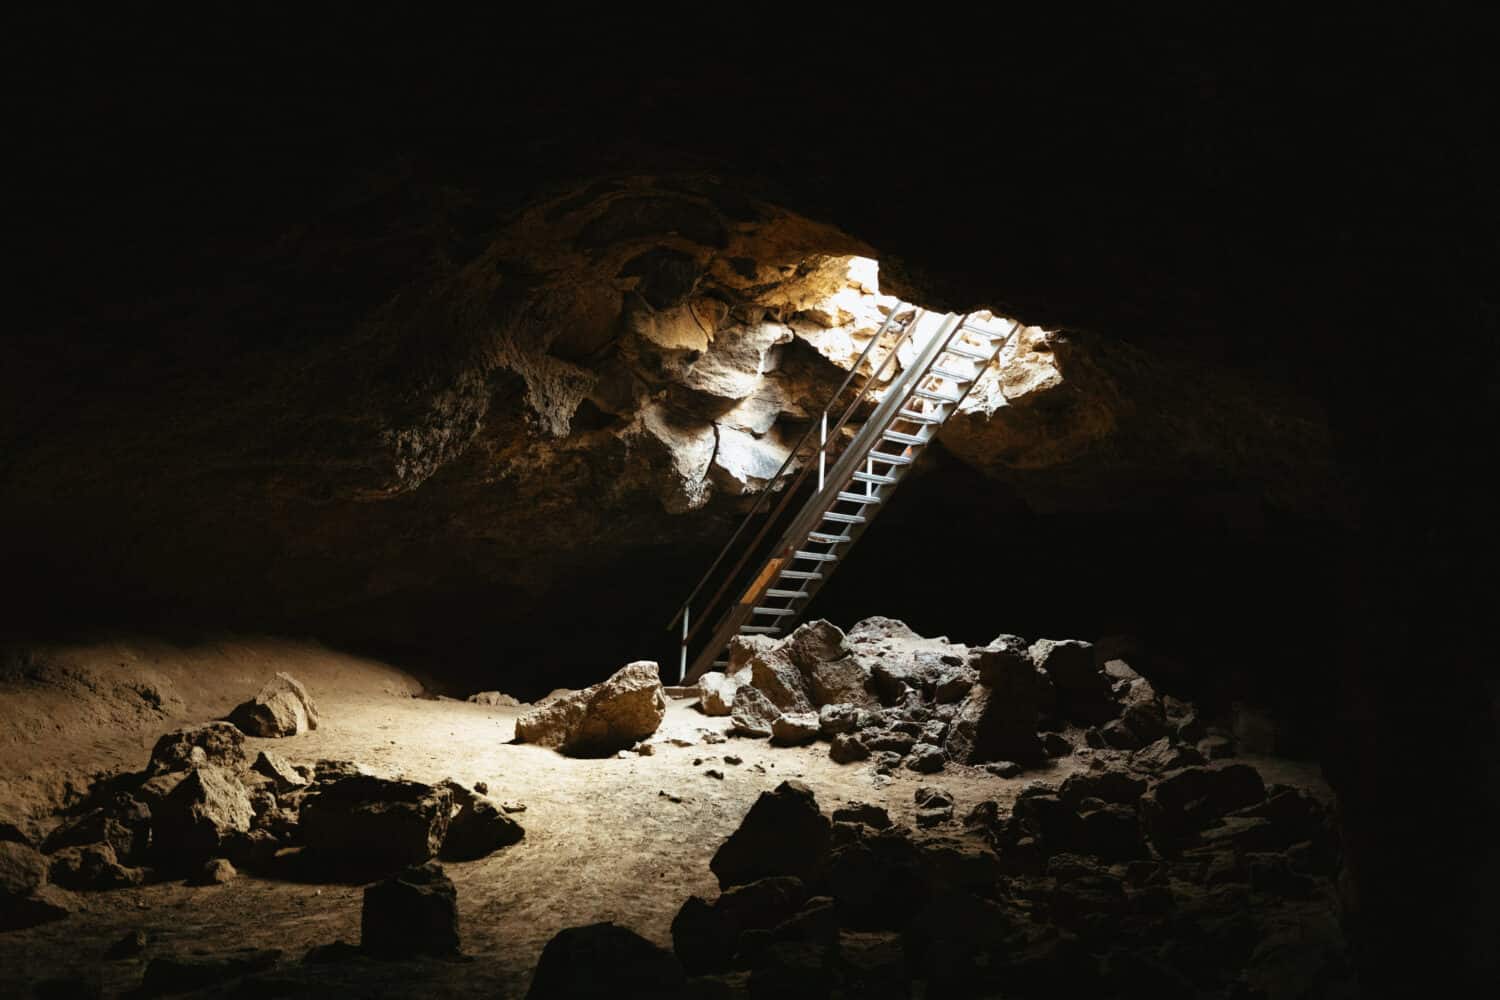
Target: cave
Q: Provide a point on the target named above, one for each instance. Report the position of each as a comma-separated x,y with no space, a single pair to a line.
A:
367,424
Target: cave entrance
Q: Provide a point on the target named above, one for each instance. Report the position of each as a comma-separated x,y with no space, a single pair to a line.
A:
915,372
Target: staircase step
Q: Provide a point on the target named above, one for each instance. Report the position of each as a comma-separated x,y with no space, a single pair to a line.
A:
880,456
964,351
919,418
844,518
939,396
816,556
794,594
949,373
859,498
875,477
982,332
774,612
759,629
827,539
905,438
799,574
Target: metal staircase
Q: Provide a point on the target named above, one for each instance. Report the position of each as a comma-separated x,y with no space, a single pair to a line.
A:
768,586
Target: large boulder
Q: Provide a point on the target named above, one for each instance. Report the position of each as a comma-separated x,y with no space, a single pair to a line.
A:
414,912
703,938
93,866
124,824
754,714
281,708
201,817
1183,802
610,716
716,693
784,833
1083,689
604,960
480,828
376,823
25,897
778,678
997,720
218,743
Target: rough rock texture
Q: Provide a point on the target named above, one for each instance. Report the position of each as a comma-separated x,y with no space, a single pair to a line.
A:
200,816
716,692
494,699
479,829
998,718
414,912
363,821
218,743
783,834
754,714
604,960
794,729
25,898
281,708
600,720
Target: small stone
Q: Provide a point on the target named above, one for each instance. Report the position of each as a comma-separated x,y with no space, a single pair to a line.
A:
928,818
669,796
926,759
511,805
730,758
753,713
1003,768
847,749
837,718
714,772
483,788
711,737
215,871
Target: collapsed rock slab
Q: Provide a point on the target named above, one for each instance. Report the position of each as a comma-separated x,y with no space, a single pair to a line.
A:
363,821
25,897
716,693
218,743
604,959
601,720
414,912
784,833
793,729
1083,690
281,708
201,816
997,719
480,829
124,824
754,715
283,776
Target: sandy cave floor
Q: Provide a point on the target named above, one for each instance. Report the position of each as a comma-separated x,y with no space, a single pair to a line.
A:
603,840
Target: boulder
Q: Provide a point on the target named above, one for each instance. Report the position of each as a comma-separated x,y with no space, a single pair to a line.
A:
841,681
283,776
603,719
1056,745
215,871
891,741
753,714
1112,833
414,912
166,975
784,833
873,816
926,759
716,693
494,699
778,678
92,867
835,719
997,721
1001,659
847,748
124,824
604,960
25,897
281,708
794,729
954,685
364,822
218,743
703,938
200,817
479,829
762,904
1164,755
1185,801
1083,690
1116,787
1117,735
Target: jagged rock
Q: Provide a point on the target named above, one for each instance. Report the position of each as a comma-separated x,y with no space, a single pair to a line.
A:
124,824
1003,768
953,686
878,627
1116,787
873,816
890,741
753,714
1185,801
743,649
478,830
716,693
998,718
603,719
933,732
778,678
926,759
1083,690
1164,755
1003,657
835,719
200,816
215,871
1144,717
174,974
762,904
256,851
794,729
1112,832
782,834
1056,745
332,770
281,708
847,748
604,959
25,898
217,743
703,939
842,681
1119,736
414,912
873,964
364,821
792,968
92,867
284,777
932,796
1119,670
885,761
495,699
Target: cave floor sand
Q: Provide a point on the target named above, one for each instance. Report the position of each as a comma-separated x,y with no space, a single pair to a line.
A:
603,842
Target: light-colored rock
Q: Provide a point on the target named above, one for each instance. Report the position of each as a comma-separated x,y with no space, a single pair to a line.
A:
201,814
281,708
282,775
744,463
494,699
716,693
754,714
794,729
603,719
778,678
220,744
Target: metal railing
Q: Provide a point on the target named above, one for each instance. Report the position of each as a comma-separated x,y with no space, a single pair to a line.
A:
909,318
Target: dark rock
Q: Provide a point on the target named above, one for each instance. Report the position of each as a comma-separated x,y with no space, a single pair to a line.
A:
782,834
604,960
998,719
1216,747
815,923
25,898
1048,819
200,816
877,882
1056,745
931,816
1176,709
284,777
217,743
983,815
714,772
128,945
835,719
1189,729
1112,833
953,686
479,829
1184,802
414,912
847,749
603,719
167,975
92,867
1119,736
325,771
1089,902
1107,786
215,871
875,817
906,727
754,714
1164,755
124,824
794,729
933,732
376,823
762,904
333,954
1145,719
1083,690
930,796
254,851
281,708
703,938
885,761
1003,768
894,742
1094,739
926,759
873,965
793,968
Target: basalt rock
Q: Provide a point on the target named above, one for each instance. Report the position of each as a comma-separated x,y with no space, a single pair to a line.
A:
754,714
200,817
603,719
784,833
604,960
1083,690
479,829
414,912
281,708
218,743
367,823
794,729
716,693
25,897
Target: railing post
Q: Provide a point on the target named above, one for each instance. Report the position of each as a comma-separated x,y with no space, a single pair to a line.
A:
822,450
682,654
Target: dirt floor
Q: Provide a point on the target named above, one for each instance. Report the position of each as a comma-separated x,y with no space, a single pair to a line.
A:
605,839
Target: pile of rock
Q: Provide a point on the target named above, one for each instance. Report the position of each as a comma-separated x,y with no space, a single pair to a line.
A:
884,694
1123,881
